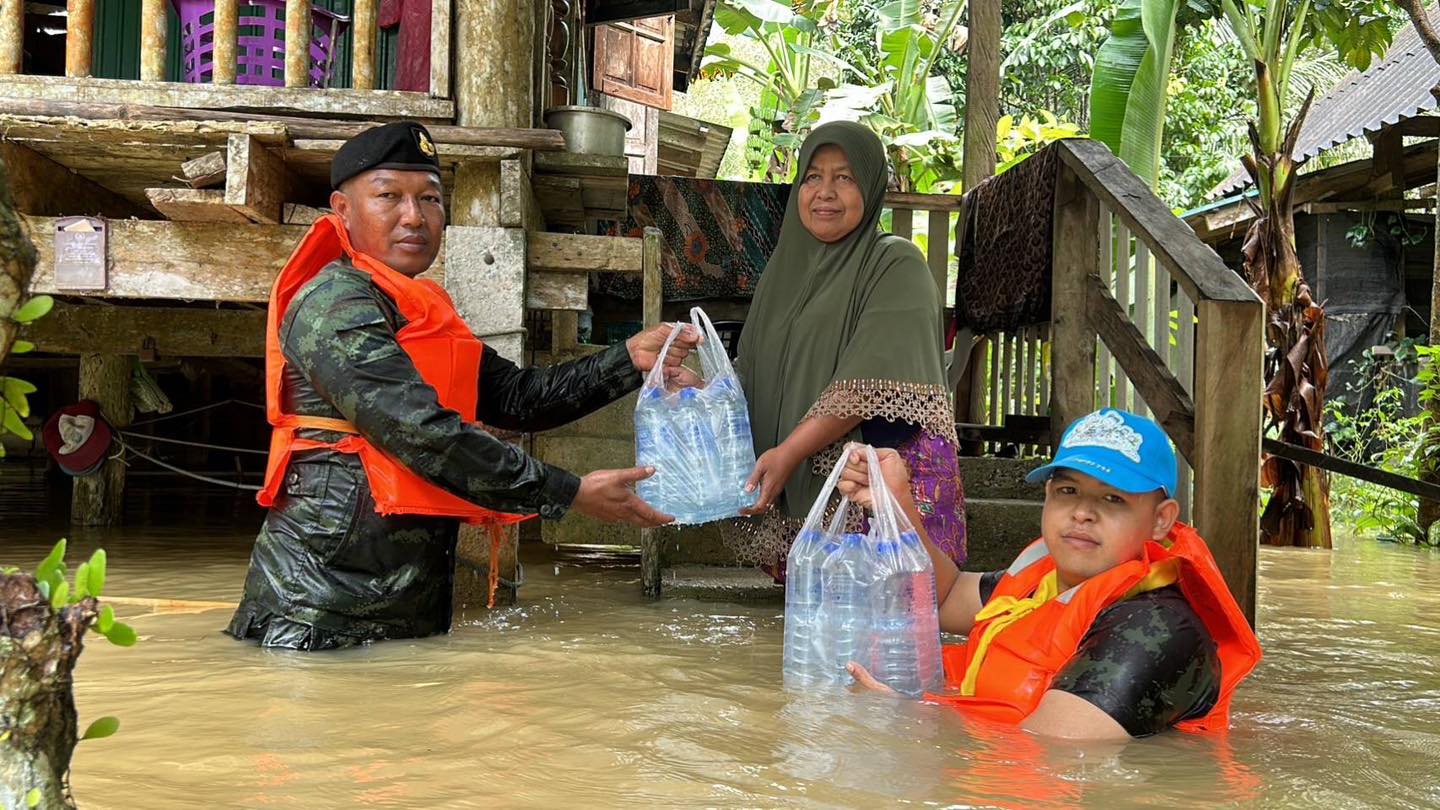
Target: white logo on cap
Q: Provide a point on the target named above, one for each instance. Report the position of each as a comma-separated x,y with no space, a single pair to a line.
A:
1106,429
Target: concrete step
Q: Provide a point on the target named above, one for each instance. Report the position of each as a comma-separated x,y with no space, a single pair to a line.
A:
989,477
714,583
997,529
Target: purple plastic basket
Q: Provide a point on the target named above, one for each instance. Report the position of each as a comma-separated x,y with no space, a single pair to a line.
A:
259,59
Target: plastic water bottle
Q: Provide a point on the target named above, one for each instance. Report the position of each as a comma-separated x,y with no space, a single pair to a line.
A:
705,495
731,419
894,658
846,611
649,452
924,611
806,661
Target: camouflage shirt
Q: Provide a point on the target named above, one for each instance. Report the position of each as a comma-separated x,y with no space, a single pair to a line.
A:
1147,661
327,570
343,361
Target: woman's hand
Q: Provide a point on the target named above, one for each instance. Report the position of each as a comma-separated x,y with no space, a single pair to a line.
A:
772,470
645,347
855,479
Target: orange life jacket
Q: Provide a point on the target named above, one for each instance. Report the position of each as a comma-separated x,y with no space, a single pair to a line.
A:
444,351
1023,658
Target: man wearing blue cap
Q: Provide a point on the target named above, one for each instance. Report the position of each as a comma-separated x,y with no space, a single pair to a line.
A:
1115,623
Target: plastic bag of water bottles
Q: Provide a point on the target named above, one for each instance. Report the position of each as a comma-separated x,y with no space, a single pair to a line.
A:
697,439
867,598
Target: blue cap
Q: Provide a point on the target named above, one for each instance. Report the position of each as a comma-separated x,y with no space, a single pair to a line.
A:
1126,451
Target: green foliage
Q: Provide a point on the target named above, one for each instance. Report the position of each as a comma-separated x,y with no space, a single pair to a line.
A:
32,799
1015,142
14,393
102,728
1131,84
1384,435
89,582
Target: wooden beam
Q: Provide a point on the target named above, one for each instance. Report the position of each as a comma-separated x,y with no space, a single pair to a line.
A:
297,214
1153,381
652,281
157,259
362,59
43,187
1076,254
206,99
575,164
1189,261
176,331
599,12
1421,126
1364,472
297,43
255,179
226,29
79,38
575,253
448,153
518,206
1228,384
440,48
923,202
1389,160
1367,205
206,171
12,36
98,499
38,105
194,205
152,40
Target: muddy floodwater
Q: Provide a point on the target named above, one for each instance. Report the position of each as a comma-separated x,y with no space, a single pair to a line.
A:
586,695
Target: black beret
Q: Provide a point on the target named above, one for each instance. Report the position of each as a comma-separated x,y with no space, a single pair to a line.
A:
403,145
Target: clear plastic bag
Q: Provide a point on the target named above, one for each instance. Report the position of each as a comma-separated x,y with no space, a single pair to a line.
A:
867,598
697,439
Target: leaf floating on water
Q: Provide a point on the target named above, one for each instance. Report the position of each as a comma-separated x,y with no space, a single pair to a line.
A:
102,728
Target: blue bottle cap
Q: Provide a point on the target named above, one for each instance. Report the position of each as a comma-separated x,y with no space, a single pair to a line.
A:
830,548
688,393
655,393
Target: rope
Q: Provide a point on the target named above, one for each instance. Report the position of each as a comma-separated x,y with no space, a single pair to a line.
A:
197,476
195,410
131,435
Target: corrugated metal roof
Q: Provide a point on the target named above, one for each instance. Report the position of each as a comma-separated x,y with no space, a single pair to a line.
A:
1396,88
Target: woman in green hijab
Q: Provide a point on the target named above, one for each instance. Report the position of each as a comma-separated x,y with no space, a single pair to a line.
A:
843,343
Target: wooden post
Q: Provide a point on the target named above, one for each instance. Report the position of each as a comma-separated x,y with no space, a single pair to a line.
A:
79,36
297,43
226,29
1076,256
982,91
651,297
363,64
98,499
12,36
1228,383
152,40
440,48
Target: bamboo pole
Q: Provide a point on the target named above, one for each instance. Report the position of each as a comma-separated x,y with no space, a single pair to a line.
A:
79,37
363,55
12,36
297,43
226,29
152,40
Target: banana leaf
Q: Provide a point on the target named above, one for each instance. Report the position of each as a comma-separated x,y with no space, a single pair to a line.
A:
1128,89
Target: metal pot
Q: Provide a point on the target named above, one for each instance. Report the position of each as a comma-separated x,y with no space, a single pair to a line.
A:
590,130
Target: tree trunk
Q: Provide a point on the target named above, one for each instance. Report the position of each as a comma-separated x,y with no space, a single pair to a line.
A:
38,650
1296,368
17,263
982,91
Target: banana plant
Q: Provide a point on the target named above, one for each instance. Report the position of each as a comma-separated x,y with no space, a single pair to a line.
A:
1272,34
895,90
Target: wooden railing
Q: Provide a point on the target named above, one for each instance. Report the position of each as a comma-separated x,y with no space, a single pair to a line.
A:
1122,265
1144,317
81,33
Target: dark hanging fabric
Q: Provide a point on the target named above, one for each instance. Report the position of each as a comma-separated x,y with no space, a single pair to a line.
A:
716,235
413,62
1004,264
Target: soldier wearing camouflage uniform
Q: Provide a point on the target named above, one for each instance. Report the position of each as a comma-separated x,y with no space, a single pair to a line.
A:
327,570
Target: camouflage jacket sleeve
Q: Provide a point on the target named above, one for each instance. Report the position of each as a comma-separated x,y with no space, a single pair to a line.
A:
532,399
339,334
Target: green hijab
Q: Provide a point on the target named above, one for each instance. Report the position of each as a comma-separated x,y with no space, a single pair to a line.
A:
863,310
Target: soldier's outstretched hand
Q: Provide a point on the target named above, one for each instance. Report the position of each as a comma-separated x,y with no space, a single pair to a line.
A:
609,496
